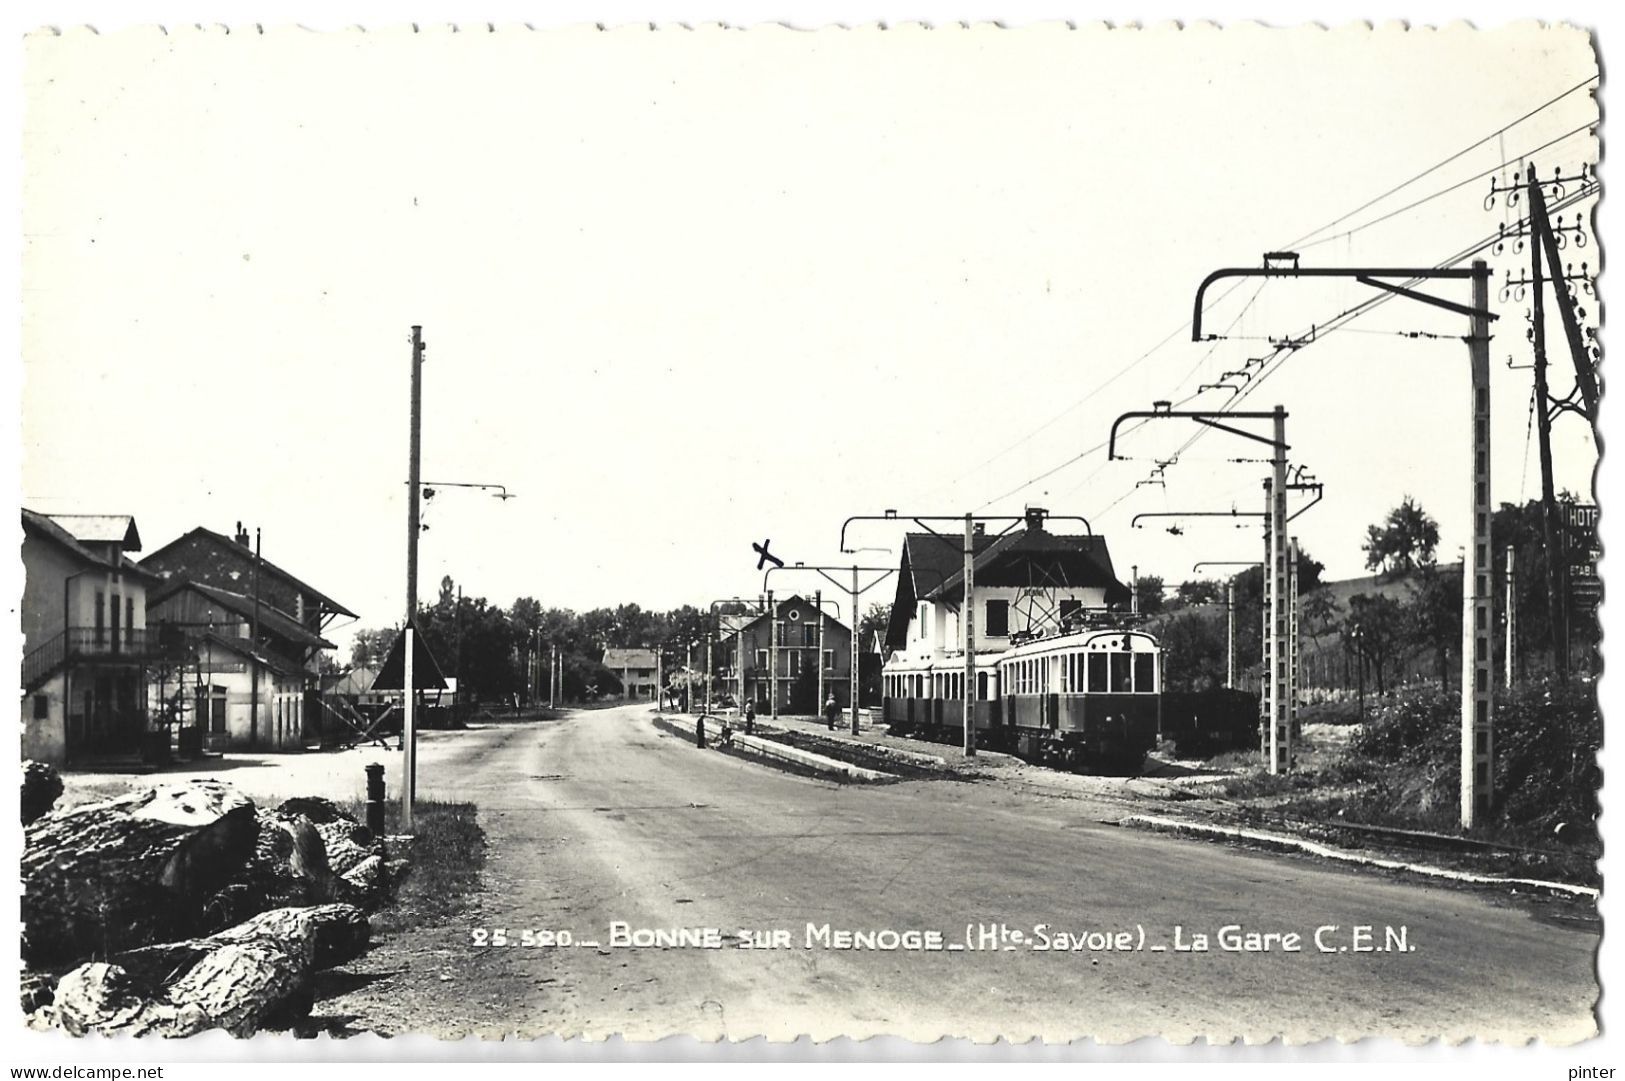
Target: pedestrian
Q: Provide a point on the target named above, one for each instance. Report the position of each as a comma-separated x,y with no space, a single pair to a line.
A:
831,710
750,718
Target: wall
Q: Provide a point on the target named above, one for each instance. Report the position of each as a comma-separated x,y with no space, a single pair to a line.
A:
942,632
46,740
231,566
46,566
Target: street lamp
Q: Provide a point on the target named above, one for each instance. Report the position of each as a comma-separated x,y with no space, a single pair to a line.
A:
417,491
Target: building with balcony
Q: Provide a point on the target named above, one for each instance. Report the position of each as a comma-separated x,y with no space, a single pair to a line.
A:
86,647
253,640
806,637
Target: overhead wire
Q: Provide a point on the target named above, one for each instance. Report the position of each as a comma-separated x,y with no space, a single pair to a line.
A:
1348,315
1318,329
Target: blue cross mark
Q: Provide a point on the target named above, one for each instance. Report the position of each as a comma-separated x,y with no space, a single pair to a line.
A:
766,555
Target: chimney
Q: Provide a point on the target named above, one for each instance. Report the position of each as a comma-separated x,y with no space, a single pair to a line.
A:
978,529
1036,516
242,535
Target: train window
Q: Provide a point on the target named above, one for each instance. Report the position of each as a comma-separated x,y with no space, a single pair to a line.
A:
1120,672
981,686
1097,673
1145,673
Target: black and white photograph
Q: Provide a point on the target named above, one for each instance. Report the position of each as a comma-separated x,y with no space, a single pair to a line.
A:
1063,532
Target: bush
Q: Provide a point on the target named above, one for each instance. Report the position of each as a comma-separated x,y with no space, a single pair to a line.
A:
1546,737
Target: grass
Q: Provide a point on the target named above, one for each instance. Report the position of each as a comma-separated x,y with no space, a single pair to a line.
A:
445,857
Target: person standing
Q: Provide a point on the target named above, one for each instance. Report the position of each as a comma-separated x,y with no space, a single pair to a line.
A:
831,711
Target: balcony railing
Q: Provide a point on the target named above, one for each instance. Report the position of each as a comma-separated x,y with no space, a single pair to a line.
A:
129,644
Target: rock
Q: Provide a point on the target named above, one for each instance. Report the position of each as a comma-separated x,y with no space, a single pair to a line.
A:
140,868
252,976
367,876
320,811
347,844
42,787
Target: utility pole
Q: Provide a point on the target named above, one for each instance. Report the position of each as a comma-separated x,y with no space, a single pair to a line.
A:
772,657
1230,634
1279,704
854,686
969,624
1512,614
254,654
1478,601
660,678
1292,629
1276,709
688,676
553,678
708,670
1550,527
967,547
1478,617
414,476
818,649
1134,590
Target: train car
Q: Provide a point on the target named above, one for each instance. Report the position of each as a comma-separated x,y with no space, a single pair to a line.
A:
1084,699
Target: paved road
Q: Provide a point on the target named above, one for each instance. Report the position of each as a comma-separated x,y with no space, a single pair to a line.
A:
601,817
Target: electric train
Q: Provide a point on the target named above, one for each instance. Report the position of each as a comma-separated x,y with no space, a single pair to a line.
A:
1084,698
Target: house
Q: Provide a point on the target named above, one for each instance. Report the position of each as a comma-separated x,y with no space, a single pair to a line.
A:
254,638
86,648
637,670
1026,582
807,636
236,695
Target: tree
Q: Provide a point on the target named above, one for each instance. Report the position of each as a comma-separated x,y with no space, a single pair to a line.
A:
1148,587
1375,629
1194,645
369,647
1200,591
1405,540
874,622
1433,616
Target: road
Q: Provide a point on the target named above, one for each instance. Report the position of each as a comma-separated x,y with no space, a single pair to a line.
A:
601,817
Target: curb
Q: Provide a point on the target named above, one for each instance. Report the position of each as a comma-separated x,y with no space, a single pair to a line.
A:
1297,844
771,752
913,758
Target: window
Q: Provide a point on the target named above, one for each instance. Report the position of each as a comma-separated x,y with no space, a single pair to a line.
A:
1097,673
1120,672
129,619
42,707
101,616
1145,673
761,658
981,686
925,614
829,660
998,619
795,662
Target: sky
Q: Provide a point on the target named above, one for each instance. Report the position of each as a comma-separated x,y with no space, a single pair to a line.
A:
689,289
